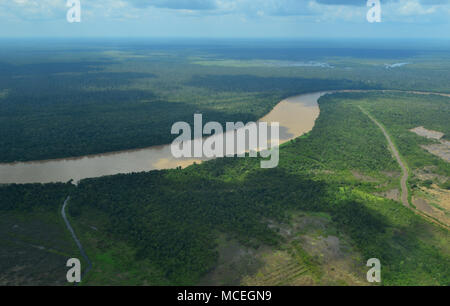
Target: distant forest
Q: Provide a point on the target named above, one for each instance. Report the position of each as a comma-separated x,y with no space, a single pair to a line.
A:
64,102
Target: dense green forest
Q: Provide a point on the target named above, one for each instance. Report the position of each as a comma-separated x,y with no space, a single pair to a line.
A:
44,197
171,218
74,100
166,227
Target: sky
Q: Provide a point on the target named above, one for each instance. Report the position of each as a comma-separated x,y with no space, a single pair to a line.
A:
226,19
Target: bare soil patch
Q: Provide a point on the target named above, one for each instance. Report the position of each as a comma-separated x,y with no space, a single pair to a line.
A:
393,194
441,150
421,131
422,205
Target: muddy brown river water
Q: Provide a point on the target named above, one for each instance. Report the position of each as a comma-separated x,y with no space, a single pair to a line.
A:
296,116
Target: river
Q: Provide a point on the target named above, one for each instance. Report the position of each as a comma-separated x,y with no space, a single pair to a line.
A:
296,116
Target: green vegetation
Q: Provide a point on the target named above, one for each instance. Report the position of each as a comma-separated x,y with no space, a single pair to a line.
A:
167,221
446,185
30,197
164,227
171,217
34,242
75,107
400,113
56,103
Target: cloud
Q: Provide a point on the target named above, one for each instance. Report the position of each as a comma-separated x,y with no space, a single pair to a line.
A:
272,7
176,4
32,9
416,7
342,2
397,11
225,7
318,11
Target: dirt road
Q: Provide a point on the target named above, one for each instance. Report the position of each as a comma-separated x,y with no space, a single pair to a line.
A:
404,180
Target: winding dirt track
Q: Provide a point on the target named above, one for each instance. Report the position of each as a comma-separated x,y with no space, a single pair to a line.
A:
404,180
405,173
